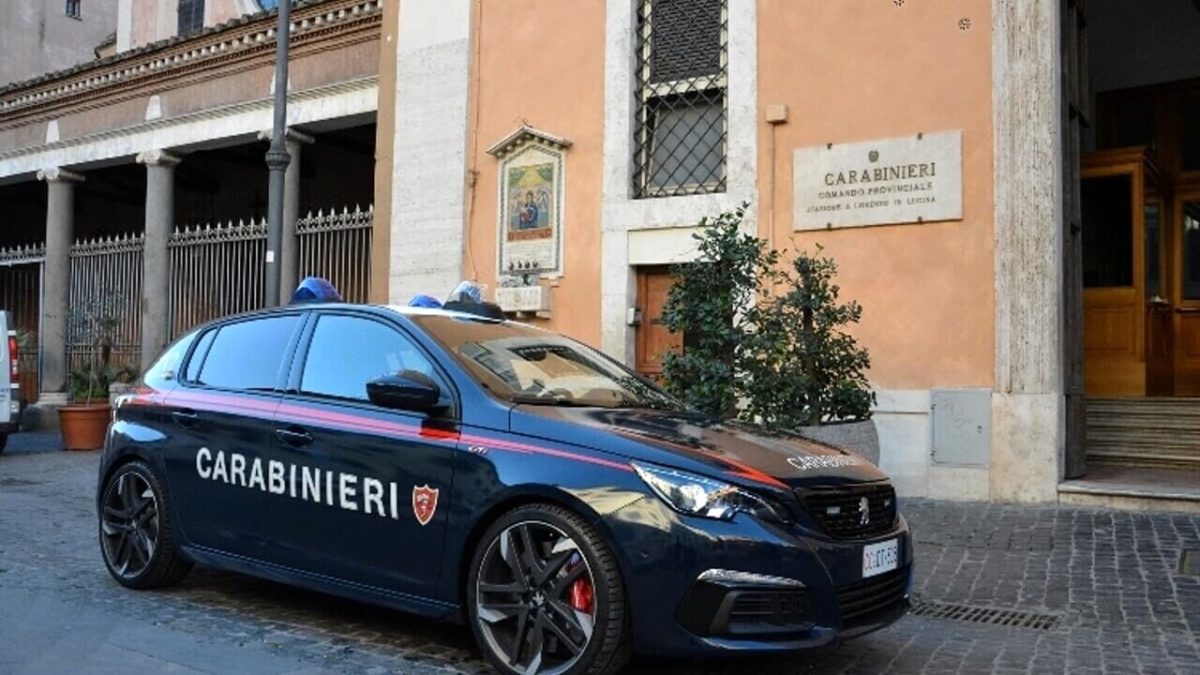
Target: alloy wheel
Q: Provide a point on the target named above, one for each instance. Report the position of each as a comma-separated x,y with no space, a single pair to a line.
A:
129,524
535,599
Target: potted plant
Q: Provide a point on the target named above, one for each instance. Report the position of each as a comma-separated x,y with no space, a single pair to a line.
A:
764,342
94,323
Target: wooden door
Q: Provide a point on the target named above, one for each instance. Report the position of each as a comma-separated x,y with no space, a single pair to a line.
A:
1186,314
1114,189
653,338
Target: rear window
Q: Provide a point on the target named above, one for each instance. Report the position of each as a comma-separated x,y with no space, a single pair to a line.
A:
247,355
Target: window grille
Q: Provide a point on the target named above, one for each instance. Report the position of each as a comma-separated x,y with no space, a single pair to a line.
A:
73,9
681,129
191,16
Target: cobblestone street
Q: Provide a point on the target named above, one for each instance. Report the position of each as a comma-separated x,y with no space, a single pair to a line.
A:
1110,583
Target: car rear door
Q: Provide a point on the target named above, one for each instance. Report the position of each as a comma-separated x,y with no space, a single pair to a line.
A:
373,483
221,430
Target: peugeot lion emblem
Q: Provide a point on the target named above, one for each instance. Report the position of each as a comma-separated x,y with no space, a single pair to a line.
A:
864,512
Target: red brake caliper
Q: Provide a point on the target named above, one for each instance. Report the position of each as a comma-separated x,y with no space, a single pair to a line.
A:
582,595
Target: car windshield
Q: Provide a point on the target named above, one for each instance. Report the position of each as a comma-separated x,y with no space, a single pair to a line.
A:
522,364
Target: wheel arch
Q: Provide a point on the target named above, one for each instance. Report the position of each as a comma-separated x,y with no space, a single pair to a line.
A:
526,495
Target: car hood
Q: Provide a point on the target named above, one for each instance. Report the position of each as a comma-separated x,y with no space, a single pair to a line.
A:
738,452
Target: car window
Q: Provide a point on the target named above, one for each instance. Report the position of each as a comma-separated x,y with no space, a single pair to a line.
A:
247,354
527,365
346,352
193,367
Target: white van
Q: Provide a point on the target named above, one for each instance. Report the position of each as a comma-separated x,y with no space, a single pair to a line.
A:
10,385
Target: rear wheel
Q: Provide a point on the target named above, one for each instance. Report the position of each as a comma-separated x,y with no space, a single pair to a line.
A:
136,535
545,595
3,441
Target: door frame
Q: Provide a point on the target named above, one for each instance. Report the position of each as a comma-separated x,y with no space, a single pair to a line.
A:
1187,189
1128,367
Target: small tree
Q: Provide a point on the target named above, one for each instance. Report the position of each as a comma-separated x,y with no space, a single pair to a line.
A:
703,305
784,356
94,321
801,367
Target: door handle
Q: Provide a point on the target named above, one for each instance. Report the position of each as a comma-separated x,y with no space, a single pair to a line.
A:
185,418
1187,310
294,438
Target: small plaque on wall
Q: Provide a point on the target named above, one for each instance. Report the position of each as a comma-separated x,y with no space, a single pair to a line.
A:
910,179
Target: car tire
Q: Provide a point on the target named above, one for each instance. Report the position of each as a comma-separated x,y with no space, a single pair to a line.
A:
137,535
3,441
563,613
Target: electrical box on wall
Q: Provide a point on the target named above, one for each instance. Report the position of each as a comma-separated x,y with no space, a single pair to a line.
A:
962,426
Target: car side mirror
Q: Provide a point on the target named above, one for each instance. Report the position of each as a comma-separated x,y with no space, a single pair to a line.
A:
406,390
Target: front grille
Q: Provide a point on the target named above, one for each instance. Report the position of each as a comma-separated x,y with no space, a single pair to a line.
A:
767,611
860,601
852,512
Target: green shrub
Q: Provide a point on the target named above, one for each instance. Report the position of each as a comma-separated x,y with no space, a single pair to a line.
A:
762,343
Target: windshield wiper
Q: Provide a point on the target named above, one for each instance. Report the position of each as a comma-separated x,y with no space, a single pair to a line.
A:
531,399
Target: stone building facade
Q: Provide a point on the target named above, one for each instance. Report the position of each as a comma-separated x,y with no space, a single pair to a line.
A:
43,36
977,284
563,152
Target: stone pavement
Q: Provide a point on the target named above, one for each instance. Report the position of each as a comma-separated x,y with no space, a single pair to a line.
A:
1111,583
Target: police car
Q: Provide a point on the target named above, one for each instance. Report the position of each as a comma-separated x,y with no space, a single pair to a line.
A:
477,470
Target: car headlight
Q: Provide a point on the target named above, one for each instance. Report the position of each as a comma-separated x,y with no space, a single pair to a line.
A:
706,497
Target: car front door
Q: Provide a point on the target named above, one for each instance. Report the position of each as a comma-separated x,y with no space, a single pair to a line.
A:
368,486
221,430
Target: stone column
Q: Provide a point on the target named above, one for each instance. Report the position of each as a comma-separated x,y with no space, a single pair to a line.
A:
1028,415
156,282
429,151
289,257
60,233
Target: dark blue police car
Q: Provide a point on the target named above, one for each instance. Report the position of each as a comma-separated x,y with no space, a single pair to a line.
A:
469,469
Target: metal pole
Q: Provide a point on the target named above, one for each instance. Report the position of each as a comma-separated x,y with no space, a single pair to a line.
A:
277,157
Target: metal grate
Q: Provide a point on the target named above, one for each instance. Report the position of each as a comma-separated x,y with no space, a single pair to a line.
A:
993,616
680,132
1189,561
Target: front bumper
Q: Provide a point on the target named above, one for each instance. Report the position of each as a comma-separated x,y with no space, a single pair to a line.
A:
699,586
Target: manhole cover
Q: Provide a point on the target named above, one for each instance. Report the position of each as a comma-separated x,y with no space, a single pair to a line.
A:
1012,618
1189,561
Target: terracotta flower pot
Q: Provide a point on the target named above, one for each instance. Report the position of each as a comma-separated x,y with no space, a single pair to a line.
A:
84,426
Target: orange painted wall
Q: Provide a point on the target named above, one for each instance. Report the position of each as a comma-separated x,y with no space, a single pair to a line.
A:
543,67
856,70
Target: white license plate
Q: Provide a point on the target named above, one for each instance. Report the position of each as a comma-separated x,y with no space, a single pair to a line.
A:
881,557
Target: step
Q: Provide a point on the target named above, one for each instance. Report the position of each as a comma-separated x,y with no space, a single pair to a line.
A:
1143,458
1132,488
1153,441
1144,432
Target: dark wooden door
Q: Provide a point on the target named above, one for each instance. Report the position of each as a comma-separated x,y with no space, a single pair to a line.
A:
653,338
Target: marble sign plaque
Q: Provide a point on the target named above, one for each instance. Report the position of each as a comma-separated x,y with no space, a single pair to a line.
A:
911,179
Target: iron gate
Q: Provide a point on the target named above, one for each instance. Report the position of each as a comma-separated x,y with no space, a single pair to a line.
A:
215,270
20,296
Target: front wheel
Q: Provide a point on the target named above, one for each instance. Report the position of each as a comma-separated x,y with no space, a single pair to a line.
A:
545,595
136,530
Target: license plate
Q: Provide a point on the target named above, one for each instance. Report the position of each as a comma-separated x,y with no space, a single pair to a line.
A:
881,557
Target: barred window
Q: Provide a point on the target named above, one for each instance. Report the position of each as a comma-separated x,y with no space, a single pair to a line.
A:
191,16
681,130
73,9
